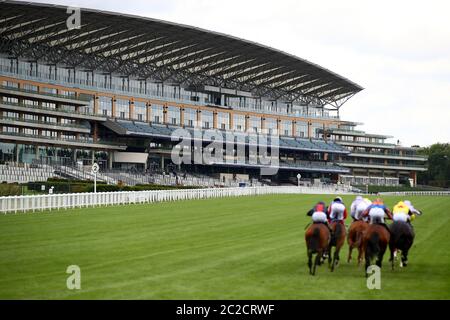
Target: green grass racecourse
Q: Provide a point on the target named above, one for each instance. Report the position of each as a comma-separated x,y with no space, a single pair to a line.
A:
233,248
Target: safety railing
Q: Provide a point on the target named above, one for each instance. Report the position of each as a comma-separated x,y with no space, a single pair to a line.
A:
14,204
416,193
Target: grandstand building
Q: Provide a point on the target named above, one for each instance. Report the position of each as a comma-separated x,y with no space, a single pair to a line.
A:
114,89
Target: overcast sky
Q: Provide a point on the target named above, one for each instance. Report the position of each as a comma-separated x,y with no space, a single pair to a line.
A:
399,51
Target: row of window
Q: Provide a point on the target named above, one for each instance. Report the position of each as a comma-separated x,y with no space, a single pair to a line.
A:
205,119
148,87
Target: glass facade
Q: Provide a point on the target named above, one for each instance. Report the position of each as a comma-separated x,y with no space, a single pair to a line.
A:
301,129
223,120
238,122
157,113
174,115
207,119
140,111
122,109
105,106
190,117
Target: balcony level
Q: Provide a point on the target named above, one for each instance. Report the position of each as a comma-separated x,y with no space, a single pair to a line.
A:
36,109
80,143
69,127
377,155
42,96
367,165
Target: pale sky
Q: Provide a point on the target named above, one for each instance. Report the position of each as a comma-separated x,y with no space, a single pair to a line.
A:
399,51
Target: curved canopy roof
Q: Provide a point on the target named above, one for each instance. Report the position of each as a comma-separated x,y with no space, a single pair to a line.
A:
164,51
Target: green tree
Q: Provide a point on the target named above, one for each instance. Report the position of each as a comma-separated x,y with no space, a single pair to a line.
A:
438,173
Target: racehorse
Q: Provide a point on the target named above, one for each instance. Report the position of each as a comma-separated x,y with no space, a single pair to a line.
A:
317,239
354,239
337,241
375,241
402,238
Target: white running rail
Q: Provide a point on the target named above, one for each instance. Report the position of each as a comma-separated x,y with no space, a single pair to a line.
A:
15,204
416,193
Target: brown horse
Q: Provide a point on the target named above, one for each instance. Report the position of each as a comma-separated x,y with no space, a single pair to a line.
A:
354,239
337,241
375,241
317,239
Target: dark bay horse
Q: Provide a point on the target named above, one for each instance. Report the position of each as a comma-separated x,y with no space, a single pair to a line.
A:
337,241
402,238
375,241
354,239
317,238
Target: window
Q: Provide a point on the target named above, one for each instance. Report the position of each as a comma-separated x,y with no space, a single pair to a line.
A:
31,117
7,114
238,122
105,106
30,87
49,119
122,109
10,84
190,117
48,90
31,132
10,129
207,119
286,128
301,129
174,115
270,125
223,120
254,124
157,113
140,111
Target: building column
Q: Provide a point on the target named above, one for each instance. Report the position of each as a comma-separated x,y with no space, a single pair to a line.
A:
110,159
113,107
215,119
230,115
96,104
149,112
182,116
131,111
165,114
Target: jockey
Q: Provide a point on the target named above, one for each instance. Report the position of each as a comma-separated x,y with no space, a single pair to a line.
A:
337,210
362,206
376,212
354,206
400,212
318,214
412,211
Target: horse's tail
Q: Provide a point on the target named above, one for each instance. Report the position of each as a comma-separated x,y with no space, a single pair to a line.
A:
314,241
373,246
338,231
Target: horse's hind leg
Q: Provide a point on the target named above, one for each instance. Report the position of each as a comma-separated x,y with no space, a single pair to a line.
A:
335,259
310,262
316,262
350,248
405,258
329,256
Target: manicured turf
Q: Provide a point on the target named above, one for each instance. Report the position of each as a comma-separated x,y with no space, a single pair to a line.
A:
233,248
